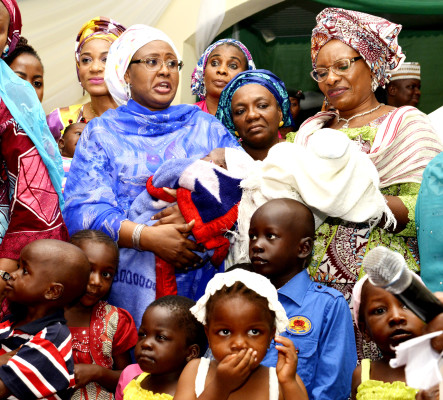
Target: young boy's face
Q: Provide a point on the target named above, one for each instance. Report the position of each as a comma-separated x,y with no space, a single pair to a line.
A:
29,282
274,244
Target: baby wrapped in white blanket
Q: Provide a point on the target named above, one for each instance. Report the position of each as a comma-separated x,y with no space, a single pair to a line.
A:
331,175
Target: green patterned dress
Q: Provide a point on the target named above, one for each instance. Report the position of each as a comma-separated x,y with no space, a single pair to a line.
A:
340,246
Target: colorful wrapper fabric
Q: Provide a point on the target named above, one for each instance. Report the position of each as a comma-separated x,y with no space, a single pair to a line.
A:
374,38
261,77
121,52
198,76
15,26
97,28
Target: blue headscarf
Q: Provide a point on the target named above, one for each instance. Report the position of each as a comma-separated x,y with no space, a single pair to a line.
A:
198,76
261,77
25,107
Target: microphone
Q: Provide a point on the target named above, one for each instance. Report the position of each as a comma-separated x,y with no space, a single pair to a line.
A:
387,269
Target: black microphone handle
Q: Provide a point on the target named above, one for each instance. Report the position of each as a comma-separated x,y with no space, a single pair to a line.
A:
421,301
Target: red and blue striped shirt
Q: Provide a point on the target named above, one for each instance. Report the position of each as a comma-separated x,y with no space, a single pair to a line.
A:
43,367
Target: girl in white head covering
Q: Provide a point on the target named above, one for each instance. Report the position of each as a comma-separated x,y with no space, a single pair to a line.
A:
241,313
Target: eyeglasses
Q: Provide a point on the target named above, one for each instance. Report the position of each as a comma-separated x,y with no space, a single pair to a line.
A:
156,64
340,67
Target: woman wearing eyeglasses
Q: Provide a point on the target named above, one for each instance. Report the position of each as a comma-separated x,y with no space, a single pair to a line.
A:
119,151
352,54
91,49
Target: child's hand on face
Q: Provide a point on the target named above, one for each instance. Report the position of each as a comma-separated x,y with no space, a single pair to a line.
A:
234,369
287,360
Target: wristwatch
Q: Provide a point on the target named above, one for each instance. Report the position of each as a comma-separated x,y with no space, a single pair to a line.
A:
5,275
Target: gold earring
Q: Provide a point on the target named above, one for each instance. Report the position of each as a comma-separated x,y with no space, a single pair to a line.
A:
280,124
236,133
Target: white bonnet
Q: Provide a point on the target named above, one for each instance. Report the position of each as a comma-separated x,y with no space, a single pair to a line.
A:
256,282
356,296
121,52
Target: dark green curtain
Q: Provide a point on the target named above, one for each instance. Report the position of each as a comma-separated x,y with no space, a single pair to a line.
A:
289,58
420,7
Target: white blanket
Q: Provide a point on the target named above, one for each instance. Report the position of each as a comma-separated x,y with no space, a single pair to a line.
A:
330,174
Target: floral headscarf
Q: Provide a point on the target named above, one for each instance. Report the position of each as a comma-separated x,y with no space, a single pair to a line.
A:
15,26
96,28
374,38
121,52
259,76
198,76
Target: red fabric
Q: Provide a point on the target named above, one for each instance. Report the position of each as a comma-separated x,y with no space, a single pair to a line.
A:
34,209
15,23
203,106
165,283
210,234
111,332
158,193
102,329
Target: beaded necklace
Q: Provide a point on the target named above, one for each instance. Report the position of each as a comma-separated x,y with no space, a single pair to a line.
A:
346,125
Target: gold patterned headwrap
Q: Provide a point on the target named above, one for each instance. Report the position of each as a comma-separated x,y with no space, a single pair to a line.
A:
96,28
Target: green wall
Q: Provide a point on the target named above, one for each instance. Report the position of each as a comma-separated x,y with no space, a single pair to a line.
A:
289,58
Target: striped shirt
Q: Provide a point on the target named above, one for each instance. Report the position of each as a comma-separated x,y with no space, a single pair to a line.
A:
43,367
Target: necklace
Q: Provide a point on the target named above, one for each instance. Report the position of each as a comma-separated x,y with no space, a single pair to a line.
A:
346,125
93,111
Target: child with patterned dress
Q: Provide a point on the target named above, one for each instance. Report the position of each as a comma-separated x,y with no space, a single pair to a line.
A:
35,343
169,337
241,314
383,318
102,335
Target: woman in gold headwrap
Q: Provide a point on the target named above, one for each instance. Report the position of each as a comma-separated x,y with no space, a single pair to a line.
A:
91,50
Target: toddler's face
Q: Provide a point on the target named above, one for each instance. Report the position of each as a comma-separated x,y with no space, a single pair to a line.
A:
70,139
161,346
217,157
103,267
237,323
386,319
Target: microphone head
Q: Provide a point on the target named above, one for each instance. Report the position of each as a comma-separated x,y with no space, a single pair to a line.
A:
387,269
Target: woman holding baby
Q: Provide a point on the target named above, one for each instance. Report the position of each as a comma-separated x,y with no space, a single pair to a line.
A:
352,54
119,151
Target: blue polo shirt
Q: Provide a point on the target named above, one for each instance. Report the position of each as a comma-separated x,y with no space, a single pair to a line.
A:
320,326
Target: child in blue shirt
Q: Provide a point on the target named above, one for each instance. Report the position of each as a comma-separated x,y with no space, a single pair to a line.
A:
320,324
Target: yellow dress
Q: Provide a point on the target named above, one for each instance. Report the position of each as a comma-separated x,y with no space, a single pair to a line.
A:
134,391
370,389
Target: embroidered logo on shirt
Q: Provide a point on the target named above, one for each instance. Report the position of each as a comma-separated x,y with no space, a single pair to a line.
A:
299,325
